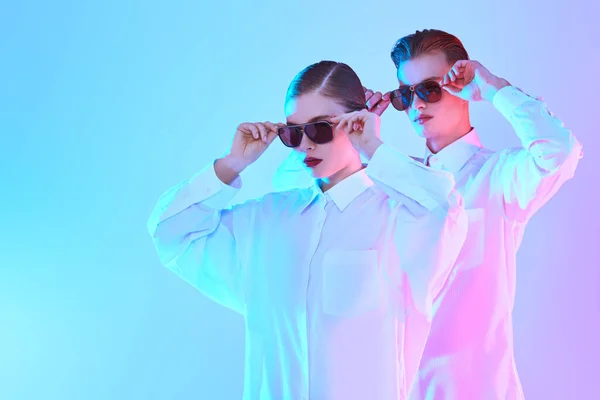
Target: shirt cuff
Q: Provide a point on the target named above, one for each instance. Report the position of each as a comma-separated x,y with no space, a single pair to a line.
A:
204,187
410,178
208,189
508,99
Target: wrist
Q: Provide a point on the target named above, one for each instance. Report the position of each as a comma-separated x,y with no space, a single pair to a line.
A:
369,147
494,86
233,163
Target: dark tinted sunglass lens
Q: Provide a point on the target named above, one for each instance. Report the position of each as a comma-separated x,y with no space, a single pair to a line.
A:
397,101
406,97
319,132
429,91
291,137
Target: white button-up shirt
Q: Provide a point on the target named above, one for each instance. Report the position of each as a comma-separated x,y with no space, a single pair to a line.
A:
469,355
336,288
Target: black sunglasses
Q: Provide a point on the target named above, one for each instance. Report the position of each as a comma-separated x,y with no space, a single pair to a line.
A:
320,132
428,91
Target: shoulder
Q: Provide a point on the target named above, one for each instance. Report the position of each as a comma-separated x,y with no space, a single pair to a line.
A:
279,201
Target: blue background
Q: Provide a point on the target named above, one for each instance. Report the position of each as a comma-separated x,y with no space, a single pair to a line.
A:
104,105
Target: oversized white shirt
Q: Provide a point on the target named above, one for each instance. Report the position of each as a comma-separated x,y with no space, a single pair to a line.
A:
469,354
336,288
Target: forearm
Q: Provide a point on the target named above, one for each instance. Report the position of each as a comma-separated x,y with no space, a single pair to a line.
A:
404,178
429,247
193,233
530,176
542,135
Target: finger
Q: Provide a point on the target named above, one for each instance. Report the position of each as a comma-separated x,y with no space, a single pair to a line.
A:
337,118
458,72
374,100
361,118
382,106
271,127
354,121
348,124
343,122
355,124
263,132
452,75
245,128
460,64
253,130
445,80
271,135
271,131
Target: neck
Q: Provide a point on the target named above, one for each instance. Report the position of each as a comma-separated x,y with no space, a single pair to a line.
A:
352,168
437,143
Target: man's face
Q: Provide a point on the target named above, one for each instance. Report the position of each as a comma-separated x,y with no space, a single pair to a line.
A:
431,120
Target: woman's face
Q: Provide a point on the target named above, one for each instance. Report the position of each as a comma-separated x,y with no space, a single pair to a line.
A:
322,160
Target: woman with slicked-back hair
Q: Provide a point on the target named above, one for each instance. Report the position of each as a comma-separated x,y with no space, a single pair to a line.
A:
335,280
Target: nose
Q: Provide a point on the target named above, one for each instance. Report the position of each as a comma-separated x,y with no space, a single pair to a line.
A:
417,103
306,144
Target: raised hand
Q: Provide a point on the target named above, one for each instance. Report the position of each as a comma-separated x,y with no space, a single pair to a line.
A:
376,101
471,81
249,143
362,127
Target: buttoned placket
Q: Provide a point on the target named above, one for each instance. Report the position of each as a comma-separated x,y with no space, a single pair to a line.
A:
320,203
434,162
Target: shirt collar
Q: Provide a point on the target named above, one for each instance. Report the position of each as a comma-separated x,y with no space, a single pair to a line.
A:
454,156
345,191
349,189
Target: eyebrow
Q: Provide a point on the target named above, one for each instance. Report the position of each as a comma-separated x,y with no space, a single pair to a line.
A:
314,119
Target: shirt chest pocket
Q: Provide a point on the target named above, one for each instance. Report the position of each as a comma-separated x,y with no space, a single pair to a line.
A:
351,282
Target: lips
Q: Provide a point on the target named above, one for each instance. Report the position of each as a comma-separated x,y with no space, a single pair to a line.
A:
421,119
312,162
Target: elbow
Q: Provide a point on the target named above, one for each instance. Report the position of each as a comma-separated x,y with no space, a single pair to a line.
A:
169,245
552,156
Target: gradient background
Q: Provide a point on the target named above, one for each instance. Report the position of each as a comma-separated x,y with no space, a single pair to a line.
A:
106,104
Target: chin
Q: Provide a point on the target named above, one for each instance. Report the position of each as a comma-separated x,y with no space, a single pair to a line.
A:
316,172
420,131
429,132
